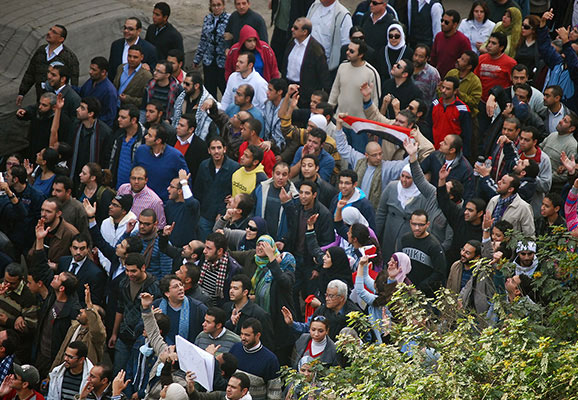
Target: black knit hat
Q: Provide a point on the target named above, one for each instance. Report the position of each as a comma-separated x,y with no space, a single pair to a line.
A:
125,201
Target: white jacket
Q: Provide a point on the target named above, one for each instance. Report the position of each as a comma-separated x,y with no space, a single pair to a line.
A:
57,375
112,235
256,81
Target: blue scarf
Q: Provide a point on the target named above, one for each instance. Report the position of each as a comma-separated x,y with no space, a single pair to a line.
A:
501,207
184,317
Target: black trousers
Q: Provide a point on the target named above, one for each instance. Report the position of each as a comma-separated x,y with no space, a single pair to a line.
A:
214,79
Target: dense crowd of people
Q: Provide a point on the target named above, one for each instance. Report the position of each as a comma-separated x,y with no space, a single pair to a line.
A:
248,204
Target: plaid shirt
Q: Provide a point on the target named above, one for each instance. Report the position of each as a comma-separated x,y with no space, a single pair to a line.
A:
175,89
146,198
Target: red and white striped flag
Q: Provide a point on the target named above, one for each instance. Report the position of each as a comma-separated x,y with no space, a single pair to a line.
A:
391,133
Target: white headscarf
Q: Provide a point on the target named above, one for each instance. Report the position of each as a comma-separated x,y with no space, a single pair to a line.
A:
401,40
351,215
318,120
405,196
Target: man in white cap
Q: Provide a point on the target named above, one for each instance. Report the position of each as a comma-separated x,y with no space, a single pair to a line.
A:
526,261
20,384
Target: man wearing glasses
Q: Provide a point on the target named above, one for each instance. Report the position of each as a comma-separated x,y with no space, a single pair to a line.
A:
375,23
428,262
163,87
131,36
449,44
71,376
55,50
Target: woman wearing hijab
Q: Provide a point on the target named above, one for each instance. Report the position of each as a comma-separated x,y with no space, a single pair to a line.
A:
396,50
350,215
377,293
244,239
511,26
273,277
398,200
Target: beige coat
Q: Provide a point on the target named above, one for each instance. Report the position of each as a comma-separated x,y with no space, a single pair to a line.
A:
519,214
135,90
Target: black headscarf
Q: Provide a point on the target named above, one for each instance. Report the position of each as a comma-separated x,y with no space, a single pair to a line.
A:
261,230
340,269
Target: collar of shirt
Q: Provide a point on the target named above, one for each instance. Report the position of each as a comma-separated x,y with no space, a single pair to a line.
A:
54,53
157,155
125,68
560,112
380,18
128,45
304,43
219,335
188,141
60,89
79,263
323,10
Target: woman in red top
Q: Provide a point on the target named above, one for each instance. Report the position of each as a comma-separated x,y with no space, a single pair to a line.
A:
316,344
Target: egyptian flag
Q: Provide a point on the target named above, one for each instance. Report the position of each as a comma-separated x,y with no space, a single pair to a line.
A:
391,133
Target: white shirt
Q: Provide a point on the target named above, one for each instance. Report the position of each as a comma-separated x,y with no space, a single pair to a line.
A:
323,21
553,119
476,32
187,141
125,50
256,81
54,53
295,60
79,265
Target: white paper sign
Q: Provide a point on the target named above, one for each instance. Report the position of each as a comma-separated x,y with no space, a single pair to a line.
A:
193,358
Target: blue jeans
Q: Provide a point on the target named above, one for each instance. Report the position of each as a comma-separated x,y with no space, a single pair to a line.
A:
121,355
205,227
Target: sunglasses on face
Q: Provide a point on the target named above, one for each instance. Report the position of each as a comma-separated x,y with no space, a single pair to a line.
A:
376,3
252,228
398,66
526,26
350,51
394,36
446,21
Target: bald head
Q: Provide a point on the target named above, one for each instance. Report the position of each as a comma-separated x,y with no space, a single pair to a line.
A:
373,152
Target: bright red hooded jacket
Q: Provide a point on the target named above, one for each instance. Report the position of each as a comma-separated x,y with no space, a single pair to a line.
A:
270,69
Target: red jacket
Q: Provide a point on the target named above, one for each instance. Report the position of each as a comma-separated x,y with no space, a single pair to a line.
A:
454,118
270,69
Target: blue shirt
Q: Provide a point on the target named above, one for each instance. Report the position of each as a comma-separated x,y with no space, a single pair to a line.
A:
44,186
254,111
124,162
106,93
326,163
161,170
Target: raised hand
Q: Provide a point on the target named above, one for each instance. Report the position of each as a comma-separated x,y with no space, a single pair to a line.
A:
130,226
284,196
146,299
547,16
87,296
207,104
212,349
168,229
28,167
311,221
89,208
366,89
183,175
119,384
287,316
190,378
269,251
444,172
235,315
341,203
41,232
568,162
411,147
488,221
59,101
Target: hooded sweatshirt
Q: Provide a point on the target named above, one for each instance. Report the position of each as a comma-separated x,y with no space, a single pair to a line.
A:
245,181
265,61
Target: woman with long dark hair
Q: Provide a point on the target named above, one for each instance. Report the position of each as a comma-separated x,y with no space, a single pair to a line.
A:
94,187
477,27
527,53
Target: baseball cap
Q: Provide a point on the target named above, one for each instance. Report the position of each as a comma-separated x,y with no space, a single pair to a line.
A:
27,372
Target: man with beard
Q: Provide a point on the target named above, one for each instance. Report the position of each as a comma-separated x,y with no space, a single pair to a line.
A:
425,76
190,101
40,117
53,233
462,270
526,261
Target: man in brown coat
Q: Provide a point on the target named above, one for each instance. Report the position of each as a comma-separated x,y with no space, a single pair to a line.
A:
53,233
88,328
461,270
131,78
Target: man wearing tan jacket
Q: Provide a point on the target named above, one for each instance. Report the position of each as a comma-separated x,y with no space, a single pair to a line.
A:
131,78
88,328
